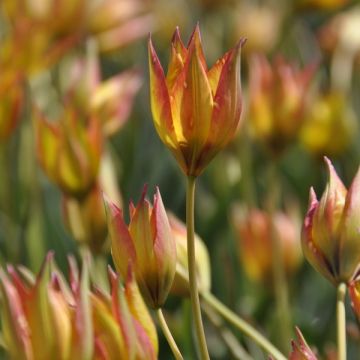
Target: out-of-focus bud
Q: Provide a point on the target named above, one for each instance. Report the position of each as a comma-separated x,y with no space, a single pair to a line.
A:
300,348
196,110
202,267
109,101
85,218
36,321
277,101
329,126
253,229
321,4
69,151
330,236
263,33
354,293
11,103
147,244
123,328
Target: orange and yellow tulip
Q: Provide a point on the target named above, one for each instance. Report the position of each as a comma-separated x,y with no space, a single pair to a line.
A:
147,246
196,110
330,236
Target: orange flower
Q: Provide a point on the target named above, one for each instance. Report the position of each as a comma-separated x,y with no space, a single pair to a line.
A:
330,237
196,110
300,349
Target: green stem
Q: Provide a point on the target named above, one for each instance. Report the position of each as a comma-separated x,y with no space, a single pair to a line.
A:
279,278
167,333
242,325
341,321
194,294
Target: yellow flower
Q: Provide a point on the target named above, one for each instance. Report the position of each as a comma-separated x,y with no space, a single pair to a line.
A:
196,110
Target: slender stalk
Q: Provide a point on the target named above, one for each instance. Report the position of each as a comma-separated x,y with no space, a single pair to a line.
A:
279,278
341,321
242,325
194,294
167,333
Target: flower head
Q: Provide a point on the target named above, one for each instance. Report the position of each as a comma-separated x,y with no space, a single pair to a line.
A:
146,245
331,236
196,110
300,348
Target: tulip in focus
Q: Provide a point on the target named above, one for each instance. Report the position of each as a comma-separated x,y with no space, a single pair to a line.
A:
69,151
329,126
300,348
330,236
253,228
196,110
277,101
181,283
146,245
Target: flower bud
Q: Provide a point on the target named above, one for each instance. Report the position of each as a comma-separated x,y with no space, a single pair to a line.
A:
300,348
202,262
330,236
147,244
196,110
253,228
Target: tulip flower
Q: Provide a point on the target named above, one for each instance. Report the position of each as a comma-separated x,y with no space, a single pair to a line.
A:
329,125
69,151
277,101
354,292
253,228
85,218
330,236
196,110
147,245
180,285
300,348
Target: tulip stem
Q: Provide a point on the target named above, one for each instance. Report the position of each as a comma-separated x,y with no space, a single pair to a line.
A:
194,294
242,325
341,321
167,333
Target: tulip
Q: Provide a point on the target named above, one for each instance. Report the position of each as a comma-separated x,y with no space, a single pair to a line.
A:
147,245
329,125
85,218
354,292
196,110
69,151
300,349
277,101
330,236
203,270
255,242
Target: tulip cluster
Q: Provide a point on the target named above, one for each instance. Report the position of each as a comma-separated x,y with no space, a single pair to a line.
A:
44,318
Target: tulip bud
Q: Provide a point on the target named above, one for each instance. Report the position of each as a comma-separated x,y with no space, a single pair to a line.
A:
196,110
255,243
202,267
330,236
69,151
300,349
86,220
277,100
147,244
329,125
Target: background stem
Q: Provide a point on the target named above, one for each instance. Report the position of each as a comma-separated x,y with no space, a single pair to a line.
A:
194,294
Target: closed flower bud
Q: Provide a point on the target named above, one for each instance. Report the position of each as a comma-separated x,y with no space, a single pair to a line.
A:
330,236
277,100
196,110
146,244
253,228
69,151
300,348
203,270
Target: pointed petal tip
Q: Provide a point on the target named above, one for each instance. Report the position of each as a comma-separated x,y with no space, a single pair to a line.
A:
176,36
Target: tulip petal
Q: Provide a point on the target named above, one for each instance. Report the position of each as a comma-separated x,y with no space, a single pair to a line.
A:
214,73
349,249
311,251
160,100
